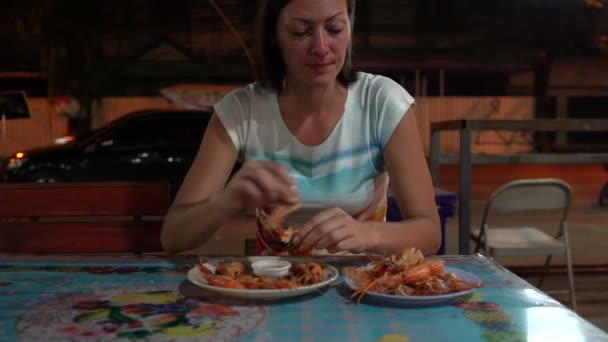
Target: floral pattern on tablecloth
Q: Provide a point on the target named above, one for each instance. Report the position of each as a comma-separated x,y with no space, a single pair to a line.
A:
497,324
145,315
101,269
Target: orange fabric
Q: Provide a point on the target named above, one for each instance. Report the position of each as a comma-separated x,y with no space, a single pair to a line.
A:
379,215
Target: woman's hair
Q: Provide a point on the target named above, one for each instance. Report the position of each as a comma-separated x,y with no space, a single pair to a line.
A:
269,65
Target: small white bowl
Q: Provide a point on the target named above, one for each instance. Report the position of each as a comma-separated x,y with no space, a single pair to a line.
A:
271,268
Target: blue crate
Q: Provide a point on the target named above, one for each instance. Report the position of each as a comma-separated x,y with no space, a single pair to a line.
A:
446,205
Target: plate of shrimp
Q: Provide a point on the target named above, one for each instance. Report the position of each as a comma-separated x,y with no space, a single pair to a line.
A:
407,278
236,278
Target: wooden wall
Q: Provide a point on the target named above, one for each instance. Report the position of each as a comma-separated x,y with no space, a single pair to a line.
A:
431,109
111,108
40,130
46,125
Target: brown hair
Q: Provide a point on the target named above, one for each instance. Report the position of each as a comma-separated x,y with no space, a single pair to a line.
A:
269,65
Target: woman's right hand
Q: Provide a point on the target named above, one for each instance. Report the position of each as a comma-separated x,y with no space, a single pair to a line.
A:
260,183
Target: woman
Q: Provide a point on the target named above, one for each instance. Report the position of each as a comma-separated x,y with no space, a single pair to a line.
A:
312,130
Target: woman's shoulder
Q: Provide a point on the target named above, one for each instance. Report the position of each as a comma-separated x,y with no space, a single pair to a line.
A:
374,91
375,84
250,91
367,77
246,96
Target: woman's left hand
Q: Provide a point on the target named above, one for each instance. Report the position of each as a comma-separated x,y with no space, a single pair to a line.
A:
335,230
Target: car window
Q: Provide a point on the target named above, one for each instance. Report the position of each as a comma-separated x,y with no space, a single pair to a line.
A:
187,130
140,132
86,136
166,130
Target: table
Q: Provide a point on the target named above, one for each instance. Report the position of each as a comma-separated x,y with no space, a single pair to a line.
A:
46,298
465,158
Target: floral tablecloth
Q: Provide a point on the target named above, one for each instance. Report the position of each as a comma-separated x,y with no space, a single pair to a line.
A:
45,298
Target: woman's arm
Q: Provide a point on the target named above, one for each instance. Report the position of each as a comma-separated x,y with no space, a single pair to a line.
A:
195,213
203,204
412,186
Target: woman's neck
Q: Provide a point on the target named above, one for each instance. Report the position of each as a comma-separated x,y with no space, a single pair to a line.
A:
313,100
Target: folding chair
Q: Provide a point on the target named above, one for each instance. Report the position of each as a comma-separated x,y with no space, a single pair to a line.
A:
526,196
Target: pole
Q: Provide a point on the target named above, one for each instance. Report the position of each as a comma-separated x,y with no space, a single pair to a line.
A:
3,135
442,82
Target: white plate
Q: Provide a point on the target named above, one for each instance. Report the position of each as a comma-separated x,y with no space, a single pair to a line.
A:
424,300
330,274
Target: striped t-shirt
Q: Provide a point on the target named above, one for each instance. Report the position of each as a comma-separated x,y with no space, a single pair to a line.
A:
339,172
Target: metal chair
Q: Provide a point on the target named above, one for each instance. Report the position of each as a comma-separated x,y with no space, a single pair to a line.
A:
528,196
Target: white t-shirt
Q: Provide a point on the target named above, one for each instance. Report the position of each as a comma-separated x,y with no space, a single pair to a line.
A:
339,172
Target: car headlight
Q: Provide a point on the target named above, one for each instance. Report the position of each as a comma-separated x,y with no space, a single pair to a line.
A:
15,163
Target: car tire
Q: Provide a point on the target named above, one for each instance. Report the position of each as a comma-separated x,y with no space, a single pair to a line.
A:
46,176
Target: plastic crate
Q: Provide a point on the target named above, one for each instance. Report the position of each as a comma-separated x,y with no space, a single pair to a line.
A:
446,205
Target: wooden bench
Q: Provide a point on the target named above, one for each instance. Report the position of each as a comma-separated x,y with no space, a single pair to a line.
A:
87,217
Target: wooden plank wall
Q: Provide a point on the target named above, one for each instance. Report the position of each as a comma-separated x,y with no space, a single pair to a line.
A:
46,125
111,108
431,109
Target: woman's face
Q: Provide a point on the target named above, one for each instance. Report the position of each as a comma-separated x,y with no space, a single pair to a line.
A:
313,37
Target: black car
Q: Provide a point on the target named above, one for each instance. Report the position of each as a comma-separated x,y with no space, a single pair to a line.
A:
147,145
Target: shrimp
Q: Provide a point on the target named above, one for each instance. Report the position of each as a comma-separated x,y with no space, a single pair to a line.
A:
405,273
277,218
223,281
283,283
437,267
233,269
409,257
456,283
250,281
204,269
308,273
389,282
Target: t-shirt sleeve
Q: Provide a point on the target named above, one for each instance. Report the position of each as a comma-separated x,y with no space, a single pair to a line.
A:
233,111
392,101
